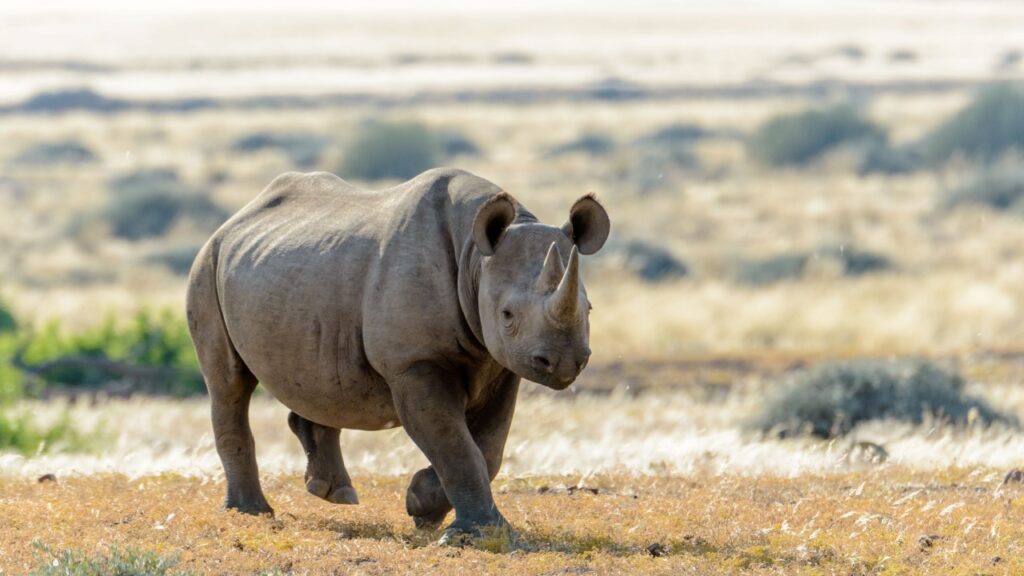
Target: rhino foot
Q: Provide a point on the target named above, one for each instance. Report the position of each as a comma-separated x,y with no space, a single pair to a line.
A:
337,494
253,508
422,516
500,538
326,476
425,500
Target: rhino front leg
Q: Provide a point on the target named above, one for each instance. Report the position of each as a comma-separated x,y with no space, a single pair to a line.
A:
425,499
326,476
431,406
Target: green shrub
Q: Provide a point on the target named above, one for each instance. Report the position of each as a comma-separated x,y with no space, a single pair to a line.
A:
118,562
61,152
147,203
989,127
391,151
8,323
12,380
303,150
591,144
19,432
832,399
1000,188
798,139
152,353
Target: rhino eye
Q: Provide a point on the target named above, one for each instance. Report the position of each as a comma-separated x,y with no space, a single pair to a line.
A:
506,314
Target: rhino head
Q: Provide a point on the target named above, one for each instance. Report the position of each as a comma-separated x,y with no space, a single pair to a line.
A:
534,312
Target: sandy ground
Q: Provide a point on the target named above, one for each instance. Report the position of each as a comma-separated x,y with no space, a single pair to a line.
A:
956,521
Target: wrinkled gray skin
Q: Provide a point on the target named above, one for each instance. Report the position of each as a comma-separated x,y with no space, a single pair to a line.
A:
421,306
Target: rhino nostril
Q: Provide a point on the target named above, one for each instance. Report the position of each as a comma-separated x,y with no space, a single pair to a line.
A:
543,362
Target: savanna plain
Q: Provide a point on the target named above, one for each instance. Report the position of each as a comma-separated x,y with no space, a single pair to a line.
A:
808,324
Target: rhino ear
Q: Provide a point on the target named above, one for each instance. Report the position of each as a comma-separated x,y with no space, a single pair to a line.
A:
491,221
588,224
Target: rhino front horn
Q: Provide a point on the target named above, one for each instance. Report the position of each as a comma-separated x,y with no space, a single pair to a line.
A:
563,304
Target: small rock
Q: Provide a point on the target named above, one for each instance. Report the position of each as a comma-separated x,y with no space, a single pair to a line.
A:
656,550
574,489
1016,475
47,478
927,541
543,489
695,541
997,559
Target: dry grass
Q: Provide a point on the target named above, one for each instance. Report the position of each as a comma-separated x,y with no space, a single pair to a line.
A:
695,426
955,521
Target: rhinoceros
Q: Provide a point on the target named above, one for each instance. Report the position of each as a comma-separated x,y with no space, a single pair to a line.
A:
419,306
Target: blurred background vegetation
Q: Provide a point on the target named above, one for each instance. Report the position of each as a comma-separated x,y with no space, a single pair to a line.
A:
858,193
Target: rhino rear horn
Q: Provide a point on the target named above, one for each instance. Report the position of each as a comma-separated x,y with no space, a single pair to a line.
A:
564,303
551,273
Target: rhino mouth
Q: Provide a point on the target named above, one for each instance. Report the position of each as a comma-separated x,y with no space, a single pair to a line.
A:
554,382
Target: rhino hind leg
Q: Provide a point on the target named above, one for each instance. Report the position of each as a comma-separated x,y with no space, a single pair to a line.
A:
231,384
237,449
425,499
325,476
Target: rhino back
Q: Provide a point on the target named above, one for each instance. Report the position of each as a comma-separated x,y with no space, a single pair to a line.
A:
327,289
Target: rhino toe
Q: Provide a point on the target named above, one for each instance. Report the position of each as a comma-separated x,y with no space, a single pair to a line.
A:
493,538
343,495
338,495
317,487
430,521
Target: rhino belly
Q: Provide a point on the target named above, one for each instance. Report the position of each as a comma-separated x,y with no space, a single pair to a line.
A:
306,349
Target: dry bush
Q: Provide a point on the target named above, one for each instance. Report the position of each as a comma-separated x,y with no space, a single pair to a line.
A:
798,139
177,259
391,151
791,266
589,143
304,150
57,152
647,261
831,400
989,127
148,203
1000,188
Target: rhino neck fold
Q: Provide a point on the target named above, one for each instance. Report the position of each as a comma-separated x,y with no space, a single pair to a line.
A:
469,290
